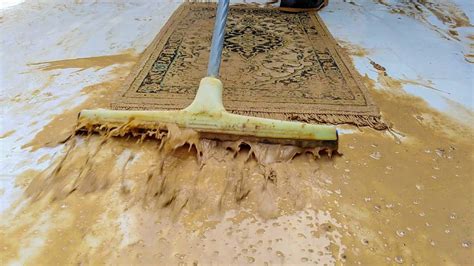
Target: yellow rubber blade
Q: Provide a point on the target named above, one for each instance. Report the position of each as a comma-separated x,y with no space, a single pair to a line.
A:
207,116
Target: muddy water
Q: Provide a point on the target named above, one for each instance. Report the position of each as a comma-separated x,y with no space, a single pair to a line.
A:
62,126
445,12
401,197
98,62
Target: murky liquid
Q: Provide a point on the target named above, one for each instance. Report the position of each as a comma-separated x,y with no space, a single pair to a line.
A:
402,196
198,188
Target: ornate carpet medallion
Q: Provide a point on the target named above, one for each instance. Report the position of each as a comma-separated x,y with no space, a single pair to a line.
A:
277,65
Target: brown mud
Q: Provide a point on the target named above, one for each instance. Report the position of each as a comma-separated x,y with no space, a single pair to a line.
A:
64,125
353,49
97,63
469,57
399,197
446,12
385,80
7,134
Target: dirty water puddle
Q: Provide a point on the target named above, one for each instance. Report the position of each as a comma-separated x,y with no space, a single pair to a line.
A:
400,196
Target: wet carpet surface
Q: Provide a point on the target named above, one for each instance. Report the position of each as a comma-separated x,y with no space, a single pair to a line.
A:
276,65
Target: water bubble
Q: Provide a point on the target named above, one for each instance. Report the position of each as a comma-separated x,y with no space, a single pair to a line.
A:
432,243
399,259
376,155
434,177
466,244
401,233
440,152
180,256
422,214
347,170
280,254
419,187
126,186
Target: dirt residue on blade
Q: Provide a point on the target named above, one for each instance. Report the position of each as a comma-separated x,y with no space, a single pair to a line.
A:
171,169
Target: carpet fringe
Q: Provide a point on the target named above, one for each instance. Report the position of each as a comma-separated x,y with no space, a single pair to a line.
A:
374,122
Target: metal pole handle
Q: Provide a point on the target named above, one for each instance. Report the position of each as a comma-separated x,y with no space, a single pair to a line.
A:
218,39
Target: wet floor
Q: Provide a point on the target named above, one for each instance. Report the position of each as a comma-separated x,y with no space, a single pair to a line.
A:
402,196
